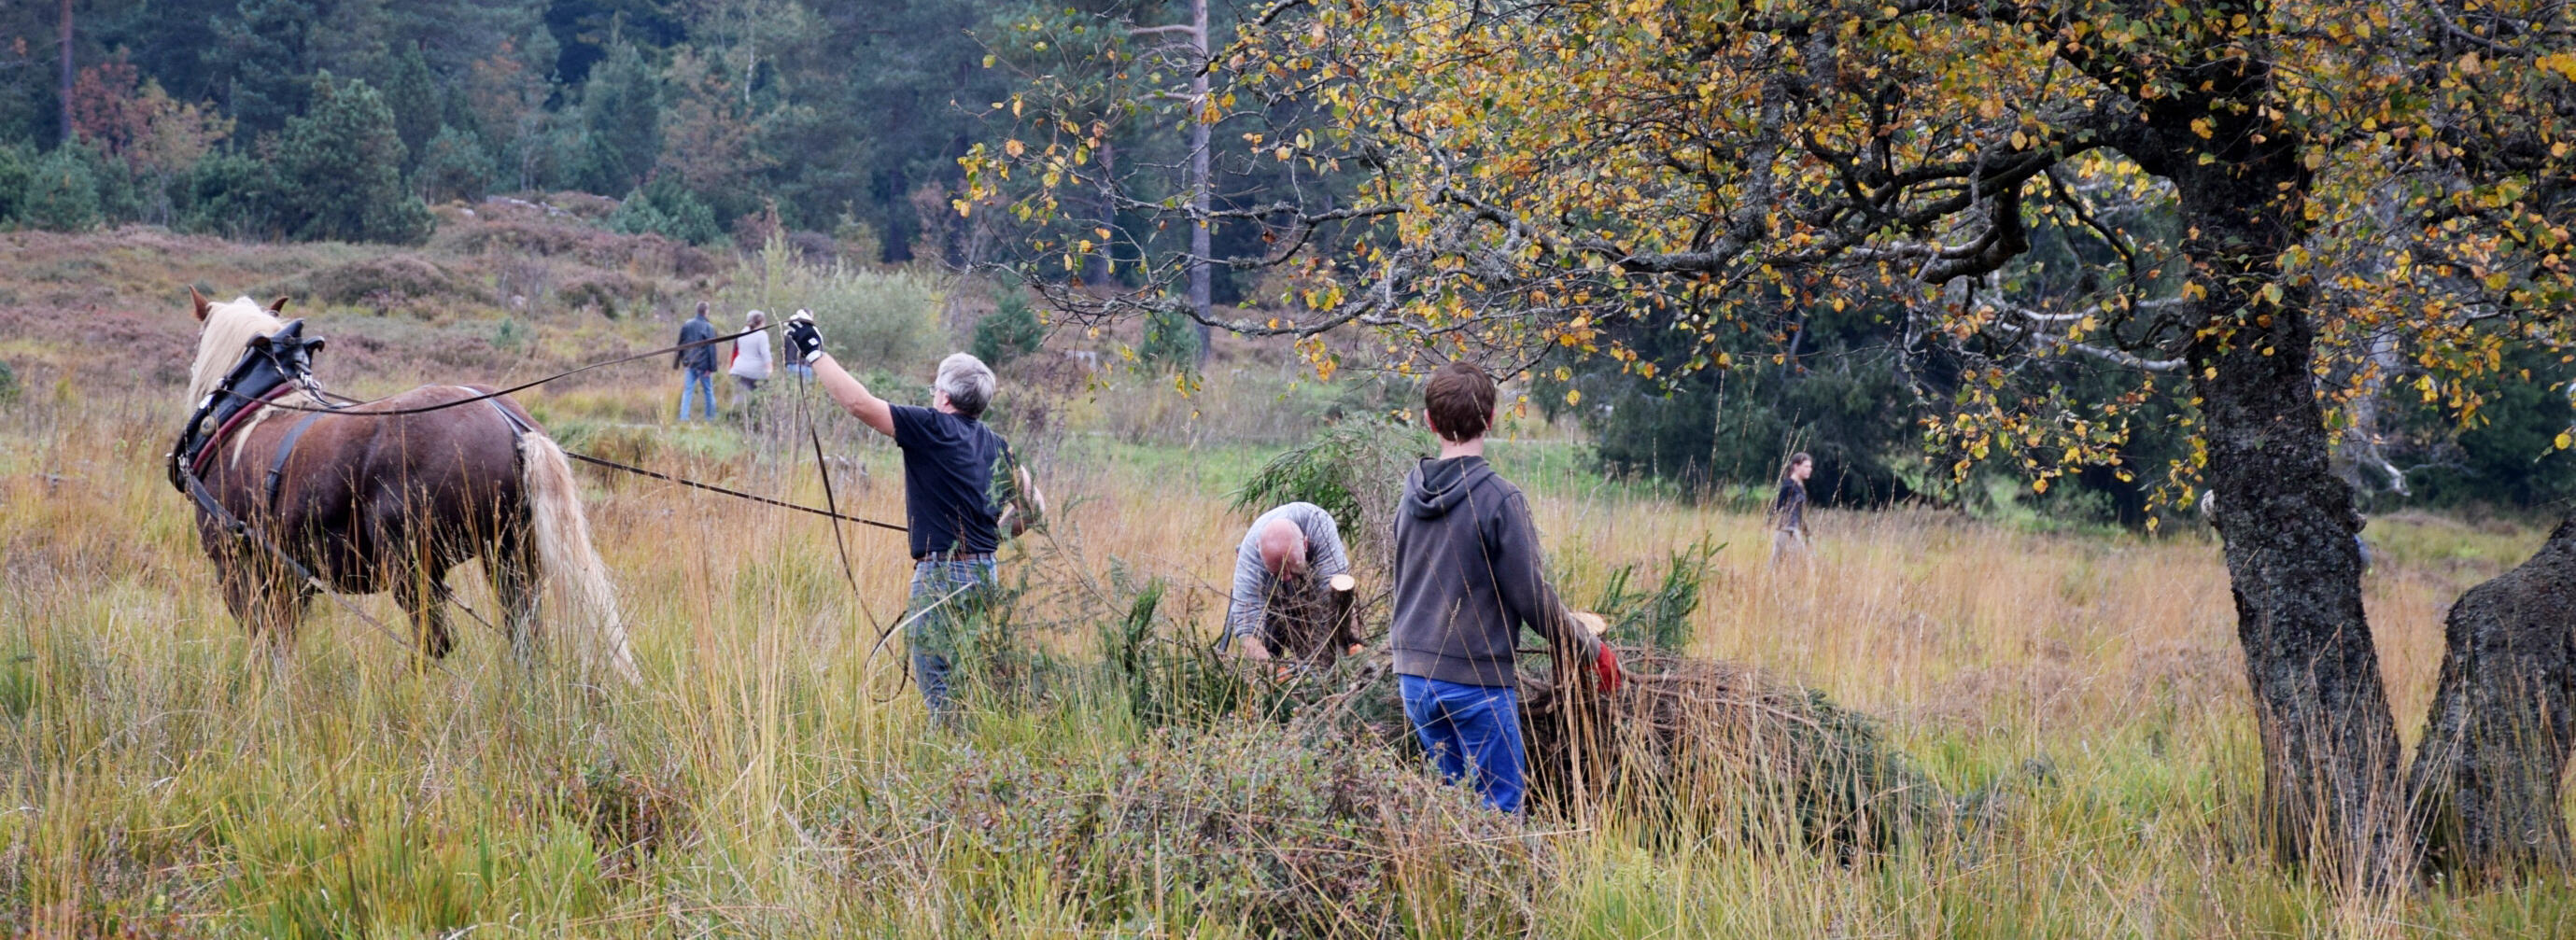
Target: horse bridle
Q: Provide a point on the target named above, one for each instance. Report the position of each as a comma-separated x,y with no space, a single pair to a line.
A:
269,363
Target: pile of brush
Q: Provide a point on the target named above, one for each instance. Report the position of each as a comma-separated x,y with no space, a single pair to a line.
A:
1712,747
1696,746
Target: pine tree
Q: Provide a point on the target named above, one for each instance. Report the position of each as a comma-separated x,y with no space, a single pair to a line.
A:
270,62
340,166
418,107
1012,330
454,165
621,119
63,194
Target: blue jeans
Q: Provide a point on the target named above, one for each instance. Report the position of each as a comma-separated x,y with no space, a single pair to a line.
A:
702,383
1470,727
933,635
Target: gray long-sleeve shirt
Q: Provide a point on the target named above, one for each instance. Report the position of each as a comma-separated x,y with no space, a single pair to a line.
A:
1249,601
1468,578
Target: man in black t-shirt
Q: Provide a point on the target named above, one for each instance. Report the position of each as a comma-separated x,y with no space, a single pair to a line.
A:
962,490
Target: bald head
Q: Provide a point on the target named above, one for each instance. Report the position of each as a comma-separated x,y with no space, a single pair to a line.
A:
1283,548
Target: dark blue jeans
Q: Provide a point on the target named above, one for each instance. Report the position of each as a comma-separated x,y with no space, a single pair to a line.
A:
934,634
1470,728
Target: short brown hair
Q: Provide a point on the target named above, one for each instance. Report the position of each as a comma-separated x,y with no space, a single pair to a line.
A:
1460,401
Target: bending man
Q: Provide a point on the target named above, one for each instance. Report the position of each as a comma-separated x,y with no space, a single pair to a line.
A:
961,490
1289,551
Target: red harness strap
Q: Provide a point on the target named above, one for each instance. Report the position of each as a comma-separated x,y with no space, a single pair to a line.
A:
215,441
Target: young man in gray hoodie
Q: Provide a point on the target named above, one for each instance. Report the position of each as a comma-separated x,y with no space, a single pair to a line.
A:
1468,577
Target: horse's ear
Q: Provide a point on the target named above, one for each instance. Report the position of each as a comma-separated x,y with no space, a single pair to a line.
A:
278,305
200,301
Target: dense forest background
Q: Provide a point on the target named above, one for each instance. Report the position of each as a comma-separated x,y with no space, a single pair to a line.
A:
838,125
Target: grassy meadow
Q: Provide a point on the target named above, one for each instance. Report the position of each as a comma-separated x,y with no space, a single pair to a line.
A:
2079,695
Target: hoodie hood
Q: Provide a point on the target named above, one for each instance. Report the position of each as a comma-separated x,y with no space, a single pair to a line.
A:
1437,486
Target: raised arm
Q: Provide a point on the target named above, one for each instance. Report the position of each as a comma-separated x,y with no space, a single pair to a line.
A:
806,344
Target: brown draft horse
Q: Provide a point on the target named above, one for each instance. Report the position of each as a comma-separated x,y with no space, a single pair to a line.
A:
391,502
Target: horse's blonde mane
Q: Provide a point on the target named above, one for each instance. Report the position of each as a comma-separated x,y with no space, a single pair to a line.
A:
229,328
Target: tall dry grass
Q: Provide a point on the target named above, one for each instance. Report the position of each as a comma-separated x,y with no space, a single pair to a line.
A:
2081,695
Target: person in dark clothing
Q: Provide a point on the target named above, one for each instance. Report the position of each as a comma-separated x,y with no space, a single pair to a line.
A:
1789,510
962,490
1468,577
699,361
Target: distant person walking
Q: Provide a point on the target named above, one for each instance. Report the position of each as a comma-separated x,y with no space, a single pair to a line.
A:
1468,577
1291,548
1789,511
962,490
751,364
699,361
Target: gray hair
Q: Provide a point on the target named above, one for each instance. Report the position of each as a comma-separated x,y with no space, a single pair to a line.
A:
754,320
967,382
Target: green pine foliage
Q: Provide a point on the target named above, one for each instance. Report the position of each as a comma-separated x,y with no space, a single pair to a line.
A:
232,195
1353,470
267,69
665,208
454,165
1171,342
1012,330
1658,618
620,121
63,193
419,110
17,177
340,168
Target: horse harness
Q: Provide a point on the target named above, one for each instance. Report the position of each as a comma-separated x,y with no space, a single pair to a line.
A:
270,367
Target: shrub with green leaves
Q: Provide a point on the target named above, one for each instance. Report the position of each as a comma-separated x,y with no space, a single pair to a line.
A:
17,173
1354,470
231,195
1171,342
62,193
1658,618
340,170
667,209
454,165
1012,330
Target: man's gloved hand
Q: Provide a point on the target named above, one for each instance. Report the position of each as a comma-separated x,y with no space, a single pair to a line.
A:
1606,667
803,339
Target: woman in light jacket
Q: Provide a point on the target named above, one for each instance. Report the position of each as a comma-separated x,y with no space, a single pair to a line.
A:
751,362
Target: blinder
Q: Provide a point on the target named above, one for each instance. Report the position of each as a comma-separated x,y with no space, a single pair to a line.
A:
267,364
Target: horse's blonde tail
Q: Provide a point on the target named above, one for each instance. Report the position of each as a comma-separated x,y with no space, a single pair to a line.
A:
564,553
